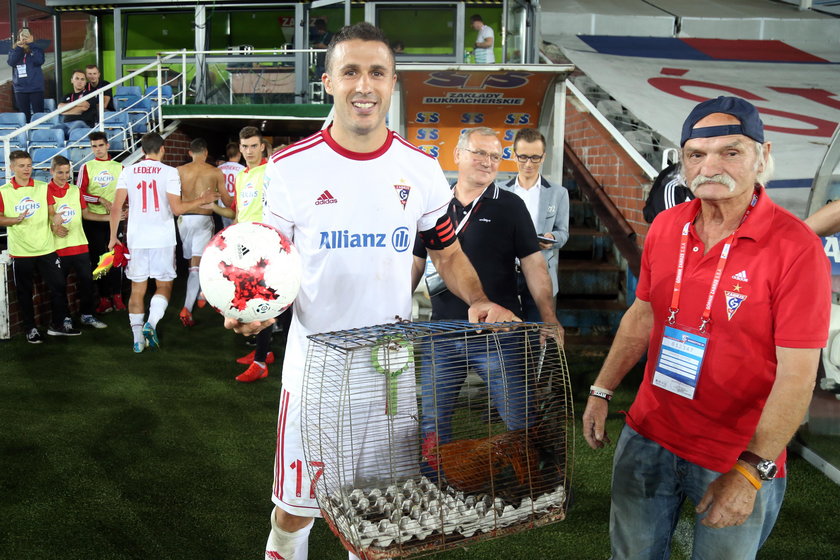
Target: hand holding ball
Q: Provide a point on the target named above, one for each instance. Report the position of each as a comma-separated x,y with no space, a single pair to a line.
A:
250,272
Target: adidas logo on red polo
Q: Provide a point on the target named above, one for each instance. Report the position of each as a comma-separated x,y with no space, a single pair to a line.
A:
326,198
741,276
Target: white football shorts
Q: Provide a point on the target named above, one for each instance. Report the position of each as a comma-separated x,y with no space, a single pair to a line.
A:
362,447
196,231
151,263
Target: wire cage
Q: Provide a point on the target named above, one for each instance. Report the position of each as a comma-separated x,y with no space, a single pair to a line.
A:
421,437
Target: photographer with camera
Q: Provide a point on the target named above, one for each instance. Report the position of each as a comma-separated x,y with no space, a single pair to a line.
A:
26,59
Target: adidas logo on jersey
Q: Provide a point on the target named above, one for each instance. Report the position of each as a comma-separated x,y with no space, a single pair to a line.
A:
741,276
326,198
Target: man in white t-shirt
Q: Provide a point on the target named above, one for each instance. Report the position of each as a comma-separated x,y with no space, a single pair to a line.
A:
354,227
231,169
153,191
483,42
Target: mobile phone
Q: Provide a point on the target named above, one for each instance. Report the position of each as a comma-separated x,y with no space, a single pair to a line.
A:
546,239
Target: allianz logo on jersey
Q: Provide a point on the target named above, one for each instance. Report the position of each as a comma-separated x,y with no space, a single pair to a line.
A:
66,212
345,239
28,206
103,178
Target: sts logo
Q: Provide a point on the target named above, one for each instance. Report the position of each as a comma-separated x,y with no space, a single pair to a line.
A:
507,152
430,149
510,134
28,206
427,117
66,212
472,118
428,134
517,118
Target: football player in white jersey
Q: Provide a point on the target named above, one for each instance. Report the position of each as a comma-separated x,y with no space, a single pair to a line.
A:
231,169
354,227
153,190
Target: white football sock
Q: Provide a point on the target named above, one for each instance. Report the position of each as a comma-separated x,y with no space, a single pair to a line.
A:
157,307
136,322
192,288
282,545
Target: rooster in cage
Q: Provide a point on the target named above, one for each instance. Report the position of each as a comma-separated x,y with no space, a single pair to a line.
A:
511,465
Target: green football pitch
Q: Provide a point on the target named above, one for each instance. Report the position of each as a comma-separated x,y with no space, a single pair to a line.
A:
162,455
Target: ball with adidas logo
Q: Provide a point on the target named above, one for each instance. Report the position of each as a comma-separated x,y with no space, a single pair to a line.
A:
250,272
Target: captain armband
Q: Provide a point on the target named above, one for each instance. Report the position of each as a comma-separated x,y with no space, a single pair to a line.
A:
441,236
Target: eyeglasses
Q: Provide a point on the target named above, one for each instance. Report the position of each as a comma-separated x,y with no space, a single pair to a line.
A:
481,154
521,158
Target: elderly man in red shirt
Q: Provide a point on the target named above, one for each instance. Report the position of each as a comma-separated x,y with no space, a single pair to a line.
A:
733,339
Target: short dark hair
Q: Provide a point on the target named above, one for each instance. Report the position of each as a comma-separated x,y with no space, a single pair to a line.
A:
250,132
19,154
151,143
98,135
363,31
528,135
232,150
58,161
77,71
475,17
198,145
320,23
92,67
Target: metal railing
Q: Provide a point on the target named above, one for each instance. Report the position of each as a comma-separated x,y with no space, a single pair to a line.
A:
153,123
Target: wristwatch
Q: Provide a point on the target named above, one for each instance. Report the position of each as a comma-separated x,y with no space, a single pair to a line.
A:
766,469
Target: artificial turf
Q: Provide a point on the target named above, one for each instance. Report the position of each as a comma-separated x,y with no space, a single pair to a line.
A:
111,455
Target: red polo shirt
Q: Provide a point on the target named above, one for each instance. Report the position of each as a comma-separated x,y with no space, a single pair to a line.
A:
779,273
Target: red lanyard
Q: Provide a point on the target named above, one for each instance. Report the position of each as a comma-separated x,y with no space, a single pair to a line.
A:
724,255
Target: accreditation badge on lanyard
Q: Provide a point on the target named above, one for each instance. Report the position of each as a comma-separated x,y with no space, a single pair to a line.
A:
683,348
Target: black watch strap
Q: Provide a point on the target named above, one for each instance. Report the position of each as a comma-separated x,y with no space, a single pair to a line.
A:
750,458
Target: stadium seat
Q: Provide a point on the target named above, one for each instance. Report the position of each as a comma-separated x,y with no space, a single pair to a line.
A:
42,157
643,142
78,135
15,119
129,90
46,138
139,123
616,114
78,156
165,93
49,105
52,122
117,126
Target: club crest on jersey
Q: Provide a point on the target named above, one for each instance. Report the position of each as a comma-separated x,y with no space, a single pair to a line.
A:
733,302
402,191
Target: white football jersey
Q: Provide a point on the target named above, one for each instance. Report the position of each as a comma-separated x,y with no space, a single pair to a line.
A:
151,224
230,169
353,218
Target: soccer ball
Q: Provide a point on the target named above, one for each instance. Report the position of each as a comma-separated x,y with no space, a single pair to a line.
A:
250,272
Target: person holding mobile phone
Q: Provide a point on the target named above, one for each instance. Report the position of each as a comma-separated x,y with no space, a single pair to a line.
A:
548,206
26,59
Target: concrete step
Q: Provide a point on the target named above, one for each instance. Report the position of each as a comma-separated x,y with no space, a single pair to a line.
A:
588,278
590,317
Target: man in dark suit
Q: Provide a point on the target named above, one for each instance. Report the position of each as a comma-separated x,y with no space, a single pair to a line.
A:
547,204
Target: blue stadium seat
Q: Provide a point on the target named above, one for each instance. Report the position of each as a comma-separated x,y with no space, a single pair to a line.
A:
129,90
139,123
165,93
78,135
46,138
41,174
78,156
117,126
42,157
52,122
49,105
14,119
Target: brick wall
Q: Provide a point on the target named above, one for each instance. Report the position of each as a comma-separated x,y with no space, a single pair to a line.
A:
177,149
41,302
6,98
623,180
